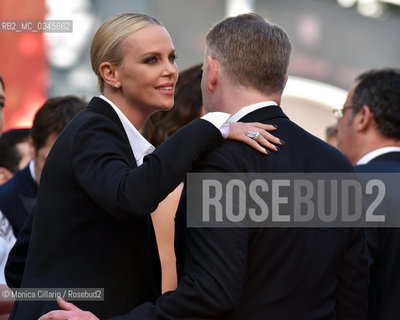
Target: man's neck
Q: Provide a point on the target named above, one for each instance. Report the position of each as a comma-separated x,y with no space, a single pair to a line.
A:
231,101
375,143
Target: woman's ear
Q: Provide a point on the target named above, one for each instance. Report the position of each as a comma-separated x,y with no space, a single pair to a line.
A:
109,74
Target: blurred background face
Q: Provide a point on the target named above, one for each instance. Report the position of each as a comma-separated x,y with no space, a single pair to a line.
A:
41,155
346,131
148,71
2,101
26,149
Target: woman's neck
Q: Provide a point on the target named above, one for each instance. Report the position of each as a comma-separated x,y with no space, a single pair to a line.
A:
136,115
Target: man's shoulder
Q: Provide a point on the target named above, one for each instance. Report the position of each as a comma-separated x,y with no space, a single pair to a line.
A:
382,166
387,162
13,184
301,152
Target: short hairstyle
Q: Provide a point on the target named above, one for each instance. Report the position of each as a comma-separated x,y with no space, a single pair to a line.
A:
53,117
15,136
2,82
253,52
9,155
187,107
108,40
380,91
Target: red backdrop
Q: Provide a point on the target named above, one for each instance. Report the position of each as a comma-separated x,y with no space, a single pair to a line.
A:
23,64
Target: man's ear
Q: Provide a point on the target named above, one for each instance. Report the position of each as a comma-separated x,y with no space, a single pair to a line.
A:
212,71
364,118
284,82
109,74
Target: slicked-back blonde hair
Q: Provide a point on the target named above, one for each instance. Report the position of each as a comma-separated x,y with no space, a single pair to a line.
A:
253,52
107,42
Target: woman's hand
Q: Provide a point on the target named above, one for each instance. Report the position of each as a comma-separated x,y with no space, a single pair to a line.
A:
69,312
247,133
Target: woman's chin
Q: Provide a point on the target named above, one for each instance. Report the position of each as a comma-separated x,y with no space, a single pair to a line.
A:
166,107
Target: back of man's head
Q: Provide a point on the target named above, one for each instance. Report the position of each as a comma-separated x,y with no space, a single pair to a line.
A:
9,160
49,121
53,116
9,156
21,140
380,91
253,52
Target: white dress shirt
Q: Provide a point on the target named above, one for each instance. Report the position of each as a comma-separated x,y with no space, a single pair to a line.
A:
7,240
32,169
141,147
253,107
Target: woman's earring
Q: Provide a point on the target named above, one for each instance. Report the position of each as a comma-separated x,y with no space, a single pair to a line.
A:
116,85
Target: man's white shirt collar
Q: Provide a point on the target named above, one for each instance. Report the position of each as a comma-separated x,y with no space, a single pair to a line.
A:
32,169
139,145
253,107
376,153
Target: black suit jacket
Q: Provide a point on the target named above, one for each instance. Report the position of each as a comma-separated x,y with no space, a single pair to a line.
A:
92,225
18,197
260,273
384,253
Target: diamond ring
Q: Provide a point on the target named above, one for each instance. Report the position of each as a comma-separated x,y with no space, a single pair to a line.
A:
253,134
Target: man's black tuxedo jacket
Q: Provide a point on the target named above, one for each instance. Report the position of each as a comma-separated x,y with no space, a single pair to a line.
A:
260,273
384,253
18,198
92,225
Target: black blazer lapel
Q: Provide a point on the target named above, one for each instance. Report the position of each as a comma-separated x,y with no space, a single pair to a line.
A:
101,106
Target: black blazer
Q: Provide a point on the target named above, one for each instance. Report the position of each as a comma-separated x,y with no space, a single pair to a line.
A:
18,197
260,273
384,253
92,225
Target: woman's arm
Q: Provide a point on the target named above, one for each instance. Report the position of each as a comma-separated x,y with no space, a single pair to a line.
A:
102,168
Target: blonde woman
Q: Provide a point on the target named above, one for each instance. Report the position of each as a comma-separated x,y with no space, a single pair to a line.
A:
92,227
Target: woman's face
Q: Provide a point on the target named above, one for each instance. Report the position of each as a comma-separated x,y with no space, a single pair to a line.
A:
148,71
2,101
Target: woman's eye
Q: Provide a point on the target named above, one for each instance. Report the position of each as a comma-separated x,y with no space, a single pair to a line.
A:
172,57
150,60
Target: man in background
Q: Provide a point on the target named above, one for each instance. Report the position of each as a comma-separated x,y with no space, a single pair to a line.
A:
330,136
368,133
21,139
9,159
7,238
18,196
16,150
2,102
